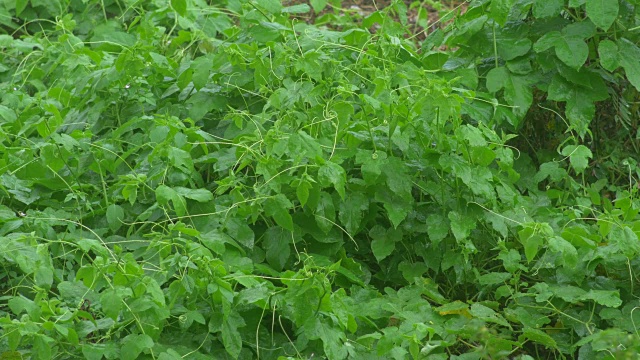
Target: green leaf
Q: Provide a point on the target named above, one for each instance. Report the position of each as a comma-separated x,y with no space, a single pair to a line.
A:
473,135
297,9
180,6
41,347
351,210
272,6
500,10
461,225
603,13
278,208
318,5
43,277
531,239
325,212
214,240
133,345
568,251
610,298
399,182
629,55
372,164
578,156
6,114
333,174
201,68
547,8
111,303
231,338
277,245
570,48
239,230
538,336
302,191
608,54
572,51
199,195
437,228
115,216
397,207
626,239
384,241
496,78
494,278
20,6
487,314
170,354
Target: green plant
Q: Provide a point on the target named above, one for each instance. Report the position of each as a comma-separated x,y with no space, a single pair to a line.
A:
179,179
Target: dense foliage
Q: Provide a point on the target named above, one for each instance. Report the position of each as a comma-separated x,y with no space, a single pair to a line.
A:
186,180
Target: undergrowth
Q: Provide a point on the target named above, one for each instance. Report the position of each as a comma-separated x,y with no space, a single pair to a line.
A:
187,180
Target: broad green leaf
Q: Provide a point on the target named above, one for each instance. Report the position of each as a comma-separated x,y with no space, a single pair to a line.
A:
608,52
272,6
111,303
629,55
239,230
351,210
20,6
302,191
487,314
384,241
580,108
603,13
372,164
398,180
231,338
170,354
180,6
437,228
199,195
610,298
547,41
496,79
333,174
277,245
397,207
325,212
214,240
318,5
115,216
7,115
572,51
43,277
297,9
278,208
570,48
626,239
538,336
551,170
547,8
311,64
41,347
134,345
568,251
201,68
578,156
494,278
500,10
532,241
472,135
461,225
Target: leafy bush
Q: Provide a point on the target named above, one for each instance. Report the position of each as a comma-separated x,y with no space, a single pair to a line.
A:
181,179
